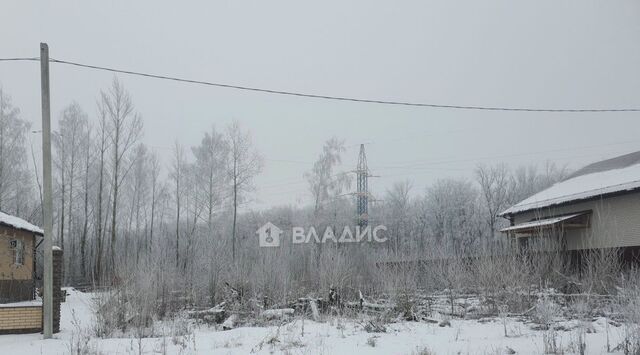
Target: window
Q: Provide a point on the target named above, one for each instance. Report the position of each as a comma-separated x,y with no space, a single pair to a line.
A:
18,252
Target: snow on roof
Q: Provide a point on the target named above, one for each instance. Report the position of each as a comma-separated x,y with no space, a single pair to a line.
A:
33,303
540,223
19,223
601,178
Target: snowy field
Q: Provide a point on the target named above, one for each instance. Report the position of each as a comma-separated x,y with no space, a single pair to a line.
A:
333,336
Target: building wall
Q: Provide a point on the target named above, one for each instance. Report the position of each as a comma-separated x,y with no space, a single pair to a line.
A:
27,317
8,270
615,222
16,281
20,319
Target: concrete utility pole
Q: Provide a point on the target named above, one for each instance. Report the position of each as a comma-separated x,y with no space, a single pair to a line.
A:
47,318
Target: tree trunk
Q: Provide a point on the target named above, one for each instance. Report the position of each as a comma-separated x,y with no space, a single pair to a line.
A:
61,234
235,216
114,209
100,233
85,224
178,218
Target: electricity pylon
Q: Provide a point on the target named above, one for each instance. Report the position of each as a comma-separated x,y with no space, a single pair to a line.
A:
362,193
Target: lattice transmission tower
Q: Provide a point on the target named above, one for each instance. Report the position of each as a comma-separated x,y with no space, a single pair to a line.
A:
362,193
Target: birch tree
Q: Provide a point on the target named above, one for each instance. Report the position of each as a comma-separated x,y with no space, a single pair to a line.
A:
87,185
139,195
210,159
397,200
156,191
102,147
244,164
453,213
324,183
177,175
495,186
69,148
13,153
125,128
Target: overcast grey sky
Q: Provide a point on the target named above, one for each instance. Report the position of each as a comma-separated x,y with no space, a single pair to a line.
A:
536,53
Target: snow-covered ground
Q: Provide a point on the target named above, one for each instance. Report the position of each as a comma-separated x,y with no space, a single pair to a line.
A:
333,336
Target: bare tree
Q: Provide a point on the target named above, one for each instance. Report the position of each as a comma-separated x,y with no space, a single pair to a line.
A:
12,150
244,164
453,213
397,202
154,165
177,174
529,180
103,145
210,159
495,185
325,184
69,148
139,194
15,177
125,128
88,157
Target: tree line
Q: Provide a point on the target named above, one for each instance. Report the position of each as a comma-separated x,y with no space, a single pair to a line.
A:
117,206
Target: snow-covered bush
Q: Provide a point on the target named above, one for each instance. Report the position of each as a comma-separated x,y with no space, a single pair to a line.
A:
546,311
600,270
628,306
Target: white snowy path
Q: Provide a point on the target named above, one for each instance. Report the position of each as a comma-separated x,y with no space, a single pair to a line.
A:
336,336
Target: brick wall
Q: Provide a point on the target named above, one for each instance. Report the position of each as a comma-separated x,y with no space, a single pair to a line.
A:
58,271
16,291
26,319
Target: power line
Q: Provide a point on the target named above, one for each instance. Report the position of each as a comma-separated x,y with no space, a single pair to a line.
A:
330,97
19,59
423,163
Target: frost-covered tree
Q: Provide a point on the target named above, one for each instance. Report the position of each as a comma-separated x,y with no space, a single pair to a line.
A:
68,143
14,173
243,164
326,186
398,204
125,129
209,170
138,191
324,183
496,185
177,175
453,213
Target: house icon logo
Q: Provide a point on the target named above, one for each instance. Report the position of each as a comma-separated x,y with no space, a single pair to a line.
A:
269,235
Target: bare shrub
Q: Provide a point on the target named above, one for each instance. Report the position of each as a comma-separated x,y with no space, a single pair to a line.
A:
129,305
501,277
80,341
545,312
423,351
600,270
400,283
628,306
372,341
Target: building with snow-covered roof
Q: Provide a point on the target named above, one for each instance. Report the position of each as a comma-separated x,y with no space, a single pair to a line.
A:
20,310
17,258
596,207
